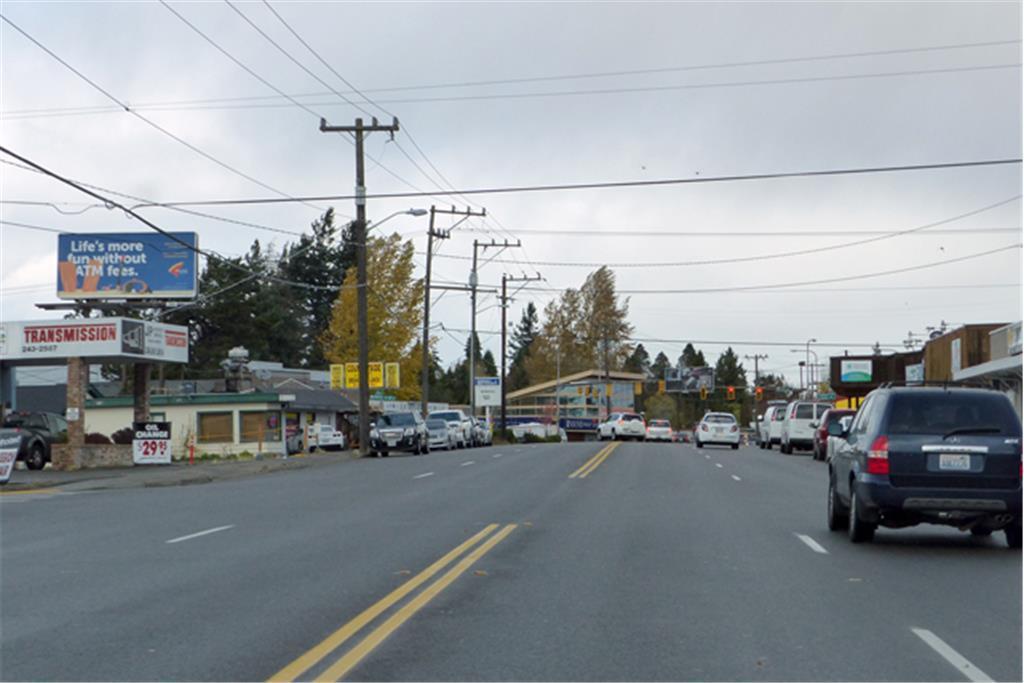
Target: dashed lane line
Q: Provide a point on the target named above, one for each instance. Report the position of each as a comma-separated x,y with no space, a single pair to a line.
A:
812,544
959,662
468,463
424,475
201,533
736,478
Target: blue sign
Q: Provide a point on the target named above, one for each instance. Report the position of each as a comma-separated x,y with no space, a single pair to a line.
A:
578,424
144,265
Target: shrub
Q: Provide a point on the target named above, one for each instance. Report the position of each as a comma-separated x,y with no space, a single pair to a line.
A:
97,438
122,436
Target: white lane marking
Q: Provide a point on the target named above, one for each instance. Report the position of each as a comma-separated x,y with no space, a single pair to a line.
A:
468,463
718,465
736,478
707,457
812,544
972,672
425,474
200,533
497,455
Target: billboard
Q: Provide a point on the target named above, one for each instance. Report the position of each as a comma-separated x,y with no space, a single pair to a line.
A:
122,339
143,265
854,371
487,391
689,380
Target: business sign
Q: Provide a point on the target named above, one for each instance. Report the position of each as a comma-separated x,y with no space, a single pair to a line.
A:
8,455
392,375
487,391
376,375
578,424
689,380
914,374
337,376
151,443
854,371
351,375
137,265
94,338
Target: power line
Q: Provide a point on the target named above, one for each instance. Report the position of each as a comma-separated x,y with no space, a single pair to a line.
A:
763,257
847,278
812,232
569,93
150,123
520,80
614,184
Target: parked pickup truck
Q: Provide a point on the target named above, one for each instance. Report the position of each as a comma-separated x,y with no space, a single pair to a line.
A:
38,431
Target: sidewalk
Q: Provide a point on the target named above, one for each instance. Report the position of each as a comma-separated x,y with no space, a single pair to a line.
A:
175,474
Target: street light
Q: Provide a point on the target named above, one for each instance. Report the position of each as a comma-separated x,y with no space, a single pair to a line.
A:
407,212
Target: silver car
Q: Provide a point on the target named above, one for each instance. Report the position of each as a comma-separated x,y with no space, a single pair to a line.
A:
441,435
459,423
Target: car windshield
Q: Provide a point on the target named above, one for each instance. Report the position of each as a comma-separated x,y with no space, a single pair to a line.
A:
396,420
720,419
943,413
659,423
436,424
13,421
449,416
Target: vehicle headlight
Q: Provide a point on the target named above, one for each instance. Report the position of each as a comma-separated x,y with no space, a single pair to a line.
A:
374,434
409,431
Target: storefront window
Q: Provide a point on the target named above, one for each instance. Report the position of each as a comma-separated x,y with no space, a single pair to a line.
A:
259,425
215,428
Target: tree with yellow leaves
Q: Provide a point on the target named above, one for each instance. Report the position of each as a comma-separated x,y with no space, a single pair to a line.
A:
394,315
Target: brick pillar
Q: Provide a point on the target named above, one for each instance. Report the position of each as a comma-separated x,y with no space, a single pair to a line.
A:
141,393
67,456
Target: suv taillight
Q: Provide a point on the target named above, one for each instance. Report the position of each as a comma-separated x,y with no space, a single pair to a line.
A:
734,428
878,456
703,428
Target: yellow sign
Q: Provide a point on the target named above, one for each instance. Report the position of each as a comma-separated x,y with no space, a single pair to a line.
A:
638,388
703,393
392,376
579,391
351,375
376,372
608,389
337,376
661,386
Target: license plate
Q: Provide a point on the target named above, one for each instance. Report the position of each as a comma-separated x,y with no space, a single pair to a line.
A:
718,430
392,442
956,462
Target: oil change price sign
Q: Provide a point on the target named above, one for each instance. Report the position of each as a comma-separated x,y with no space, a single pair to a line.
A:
8,455
151,443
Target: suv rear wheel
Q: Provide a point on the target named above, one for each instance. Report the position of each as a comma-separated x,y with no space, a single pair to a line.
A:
860,531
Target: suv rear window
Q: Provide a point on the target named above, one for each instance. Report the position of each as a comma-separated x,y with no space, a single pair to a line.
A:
942,413
629,417
720,419
659,423
804,411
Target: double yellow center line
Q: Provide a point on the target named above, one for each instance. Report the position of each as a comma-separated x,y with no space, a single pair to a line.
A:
592,464
349,660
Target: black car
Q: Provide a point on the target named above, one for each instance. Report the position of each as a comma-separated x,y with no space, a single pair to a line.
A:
928,455
400,431
38,431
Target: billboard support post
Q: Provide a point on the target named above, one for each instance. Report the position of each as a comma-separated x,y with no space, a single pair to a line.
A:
141,393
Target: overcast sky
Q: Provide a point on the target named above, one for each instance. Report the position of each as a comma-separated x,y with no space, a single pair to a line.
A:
142,54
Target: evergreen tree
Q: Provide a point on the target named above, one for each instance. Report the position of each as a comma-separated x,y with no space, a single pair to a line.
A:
521,344
729,371
661,363
692,358
639,360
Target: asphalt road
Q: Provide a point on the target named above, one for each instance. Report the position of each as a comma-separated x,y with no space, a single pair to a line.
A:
654,562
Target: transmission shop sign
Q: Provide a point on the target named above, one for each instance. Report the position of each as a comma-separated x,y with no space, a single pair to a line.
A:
94,339
9,444
122,265
151,443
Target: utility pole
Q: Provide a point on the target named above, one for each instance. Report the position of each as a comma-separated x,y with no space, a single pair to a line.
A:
359,236
505,279
473,283
756,357
443,235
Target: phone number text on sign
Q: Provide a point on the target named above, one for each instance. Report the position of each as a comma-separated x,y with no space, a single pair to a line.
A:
151,443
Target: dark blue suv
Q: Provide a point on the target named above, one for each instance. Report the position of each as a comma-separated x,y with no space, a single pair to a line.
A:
934,455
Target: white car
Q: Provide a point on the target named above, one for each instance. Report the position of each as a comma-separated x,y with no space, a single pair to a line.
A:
718,428
458,421
797,431
659,430
768,430
441,434
622,426
834,441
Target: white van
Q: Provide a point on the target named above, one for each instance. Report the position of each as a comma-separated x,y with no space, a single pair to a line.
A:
797,431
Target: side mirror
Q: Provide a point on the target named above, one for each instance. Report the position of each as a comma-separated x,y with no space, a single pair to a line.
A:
836,429
814,425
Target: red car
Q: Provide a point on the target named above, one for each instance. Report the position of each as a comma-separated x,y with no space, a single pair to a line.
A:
821,429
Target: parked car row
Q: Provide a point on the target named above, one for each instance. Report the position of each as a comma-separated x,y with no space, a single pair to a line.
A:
408,432
38,432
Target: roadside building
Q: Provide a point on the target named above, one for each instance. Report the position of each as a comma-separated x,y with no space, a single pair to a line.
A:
576,403
1001,367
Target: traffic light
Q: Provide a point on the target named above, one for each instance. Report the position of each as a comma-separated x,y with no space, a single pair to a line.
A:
759,393
703,393
730,393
